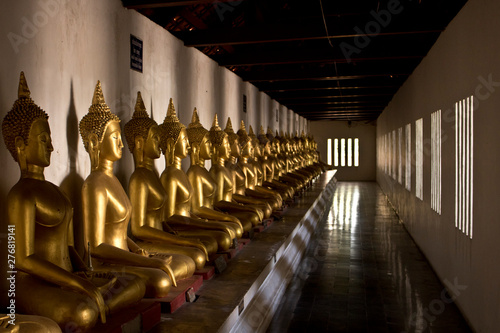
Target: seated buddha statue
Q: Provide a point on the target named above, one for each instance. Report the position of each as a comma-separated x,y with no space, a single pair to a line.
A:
274,147
216,236
289,162
308,155
262,162
239,175
263,166
223,196
311,147
256,155
202,204
107,208
52,281
254,189
277,166
300,162
282,161
148,199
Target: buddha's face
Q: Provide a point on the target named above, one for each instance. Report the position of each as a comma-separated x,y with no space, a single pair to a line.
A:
306,145
152,144
277,147
181,148
247,150
205,148
111,145
225,149
257,150
39,145
235,149
267,149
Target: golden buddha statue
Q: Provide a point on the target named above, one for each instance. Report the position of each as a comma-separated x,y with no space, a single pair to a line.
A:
298,161
264,163
240,175
174,144
148,199
223,196
304,160
251,171
107,208
52,281
309,156
201,180
264,167
256,155
311,147
285,161
274,147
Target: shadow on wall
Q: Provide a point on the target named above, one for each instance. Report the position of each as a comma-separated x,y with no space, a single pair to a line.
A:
73,182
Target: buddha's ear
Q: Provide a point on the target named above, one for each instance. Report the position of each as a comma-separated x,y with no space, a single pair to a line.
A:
93,150
139,142
21,156
19,142
170,144
194,148
138,150
93,142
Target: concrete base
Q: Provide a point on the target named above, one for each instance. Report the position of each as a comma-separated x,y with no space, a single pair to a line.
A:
177,295
206,272
139,318
245,296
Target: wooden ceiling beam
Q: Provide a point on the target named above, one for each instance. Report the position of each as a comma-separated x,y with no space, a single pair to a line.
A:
316,108
304,97
140,4
283,33
312,75
282,89
311,56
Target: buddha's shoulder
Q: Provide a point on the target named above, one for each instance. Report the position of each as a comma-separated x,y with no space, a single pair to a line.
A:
98,180
27,187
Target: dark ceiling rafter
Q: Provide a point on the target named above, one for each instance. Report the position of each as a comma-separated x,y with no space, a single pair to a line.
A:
267,76
140,4
282,47
273,34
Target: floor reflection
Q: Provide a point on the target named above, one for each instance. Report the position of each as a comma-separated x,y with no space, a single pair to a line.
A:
367,275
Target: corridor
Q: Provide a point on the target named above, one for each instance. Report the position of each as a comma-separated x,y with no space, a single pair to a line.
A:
363,273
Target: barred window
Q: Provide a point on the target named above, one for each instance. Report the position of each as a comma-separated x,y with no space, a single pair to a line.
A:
346,152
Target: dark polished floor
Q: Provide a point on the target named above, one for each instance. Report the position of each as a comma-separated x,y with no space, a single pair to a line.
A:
363,273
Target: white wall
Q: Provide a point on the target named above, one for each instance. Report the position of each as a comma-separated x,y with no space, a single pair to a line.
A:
324,130
463,60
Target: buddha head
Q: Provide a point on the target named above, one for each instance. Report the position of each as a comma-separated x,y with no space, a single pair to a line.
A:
142,134
219,140
233,139
305,141
282,141
100,131
201,146
244,141
257,149
173,137
274,141
26,131
264,142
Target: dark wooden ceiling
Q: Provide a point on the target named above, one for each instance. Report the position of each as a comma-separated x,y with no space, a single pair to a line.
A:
324,59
